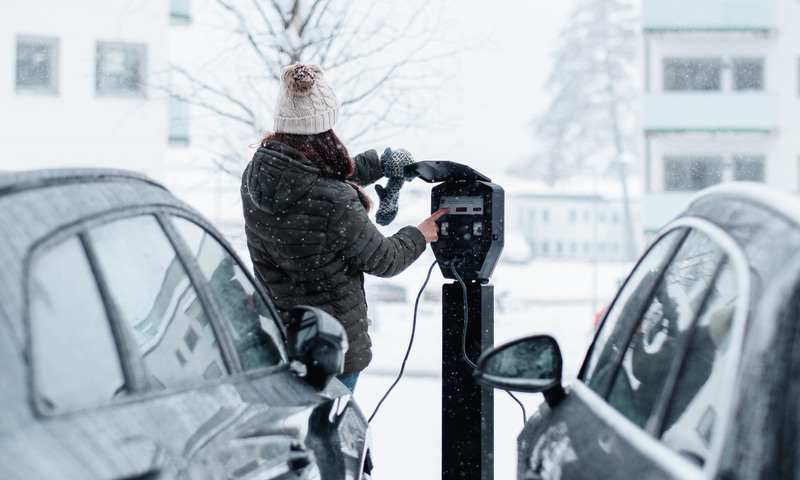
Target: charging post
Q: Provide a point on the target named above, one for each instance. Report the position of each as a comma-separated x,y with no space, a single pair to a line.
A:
469,246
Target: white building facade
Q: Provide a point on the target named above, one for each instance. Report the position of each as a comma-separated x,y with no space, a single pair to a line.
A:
563,223
79,86
721,98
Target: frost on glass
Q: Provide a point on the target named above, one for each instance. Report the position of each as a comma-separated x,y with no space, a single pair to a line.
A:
37,64
692,73
154,297
252,326
748,74
696,403
748,168
75,360
692,173
120,68
623,314
667,321
533,358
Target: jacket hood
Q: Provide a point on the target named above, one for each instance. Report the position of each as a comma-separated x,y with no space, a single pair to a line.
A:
278,176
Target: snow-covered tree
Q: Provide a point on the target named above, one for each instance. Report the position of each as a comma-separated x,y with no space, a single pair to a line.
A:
591,123
377,55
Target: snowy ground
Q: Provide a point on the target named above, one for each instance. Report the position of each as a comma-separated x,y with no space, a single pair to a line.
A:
559,298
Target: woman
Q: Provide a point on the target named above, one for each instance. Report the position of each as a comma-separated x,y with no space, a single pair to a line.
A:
306,214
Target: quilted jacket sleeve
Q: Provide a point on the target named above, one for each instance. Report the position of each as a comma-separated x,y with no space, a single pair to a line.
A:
367,168
365,248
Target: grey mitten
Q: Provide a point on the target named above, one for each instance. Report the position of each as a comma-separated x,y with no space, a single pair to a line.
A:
393,163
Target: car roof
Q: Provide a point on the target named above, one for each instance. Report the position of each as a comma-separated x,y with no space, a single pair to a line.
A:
764,222
35,204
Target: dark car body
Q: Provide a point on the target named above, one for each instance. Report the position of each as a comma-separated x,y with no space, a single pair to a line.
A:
694,372
134,344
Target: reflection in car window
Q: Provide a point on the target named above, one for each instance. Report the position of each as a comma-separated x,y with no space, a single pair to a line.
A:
693,409
253,328
624,313
153,295
672,309
75,360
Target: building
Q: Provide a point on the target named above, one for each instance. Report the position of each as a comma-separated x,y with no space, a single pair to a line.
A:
721,98
569,224
80,86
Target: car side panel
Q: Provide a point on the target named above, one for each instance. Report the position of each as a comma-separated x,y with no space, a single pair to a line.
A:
583,438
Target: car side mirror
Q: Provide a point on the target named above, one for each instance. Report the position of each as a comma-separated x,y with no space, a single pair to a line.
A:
529,364
319,342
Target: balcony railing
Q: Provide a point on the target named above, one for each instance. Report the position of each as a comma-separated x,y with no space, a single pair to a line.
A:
710,112
708,15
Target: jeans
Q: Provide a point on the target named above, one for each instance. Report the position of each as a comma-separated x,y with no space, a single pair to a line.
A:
350,381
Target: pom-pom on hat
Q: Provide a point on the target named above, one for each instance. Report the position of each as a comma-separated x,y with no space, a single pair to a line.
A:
306,103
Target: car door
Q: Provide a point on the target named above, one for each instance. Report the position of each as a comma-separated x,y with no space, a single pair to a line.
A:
137,378
649,401
336,429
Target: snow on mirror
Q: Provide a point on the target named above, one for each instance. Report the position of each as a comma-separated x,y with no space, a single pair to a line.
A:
531,364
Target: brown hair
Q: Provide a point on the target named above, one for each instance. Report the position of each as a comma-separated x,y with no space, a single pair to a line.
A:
328,152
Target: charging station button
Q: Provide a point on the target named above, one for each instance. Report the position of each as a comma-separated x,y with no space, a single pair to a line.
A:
477,229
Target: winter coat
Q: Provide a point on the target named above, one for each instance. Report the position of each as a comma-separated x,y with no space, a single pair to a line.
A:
311,241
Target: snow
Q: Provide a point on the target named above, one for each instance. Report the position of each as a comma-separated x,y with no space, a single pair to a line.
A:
554,297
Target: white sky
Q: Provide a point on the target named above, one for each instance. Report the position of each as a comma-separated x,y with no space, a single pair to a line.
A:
499,88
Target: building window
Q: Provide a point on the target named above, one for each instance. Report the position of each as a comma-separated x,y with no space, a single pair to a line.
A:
178,122
37,65
748,74
120,68
180,11
748,168
691,173
692,73
545,216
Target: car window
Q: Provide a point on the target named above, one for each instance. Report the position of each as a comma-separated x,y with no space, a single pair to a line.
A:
74,356
671,310
693,408
625,312
152,294
253,328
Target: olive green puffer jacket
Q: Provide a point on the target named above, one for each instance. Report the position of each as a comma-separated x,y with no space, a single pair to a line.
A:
311,241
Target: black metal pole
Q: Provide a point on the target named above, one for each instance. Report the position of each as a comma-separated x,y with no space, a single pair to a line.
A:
467,408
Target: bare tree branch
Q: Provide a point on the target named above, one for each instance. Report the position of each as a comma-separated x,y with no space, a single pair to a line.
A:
379,54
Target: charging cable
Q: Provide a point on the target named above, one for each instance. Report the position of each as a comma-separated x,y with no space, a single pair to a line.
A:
464,338
410,343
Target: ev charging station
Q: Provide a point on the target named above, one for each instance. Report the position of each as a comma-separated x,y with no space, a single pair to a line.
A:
469,246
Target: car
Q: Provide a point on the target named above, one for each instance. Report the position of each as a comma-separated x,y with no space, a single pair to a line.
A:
694,370
135,344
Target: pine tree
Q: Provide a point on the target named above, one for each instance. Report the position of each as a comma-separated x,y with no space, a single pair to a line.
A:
590,124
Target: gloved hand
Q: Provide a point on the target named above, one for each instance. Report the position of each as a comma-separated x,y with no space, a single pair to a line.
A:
393,163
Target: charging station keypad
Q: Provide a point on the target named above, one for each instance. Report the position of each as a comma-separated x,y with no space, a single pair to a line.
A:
460,206
471,232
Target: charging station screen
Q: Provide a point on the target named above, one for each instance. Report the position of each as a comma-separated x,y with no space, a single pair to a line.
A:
462,205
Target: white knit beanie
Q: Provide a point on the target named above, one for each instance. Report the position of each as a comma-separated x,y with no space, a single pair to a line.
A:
306,103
